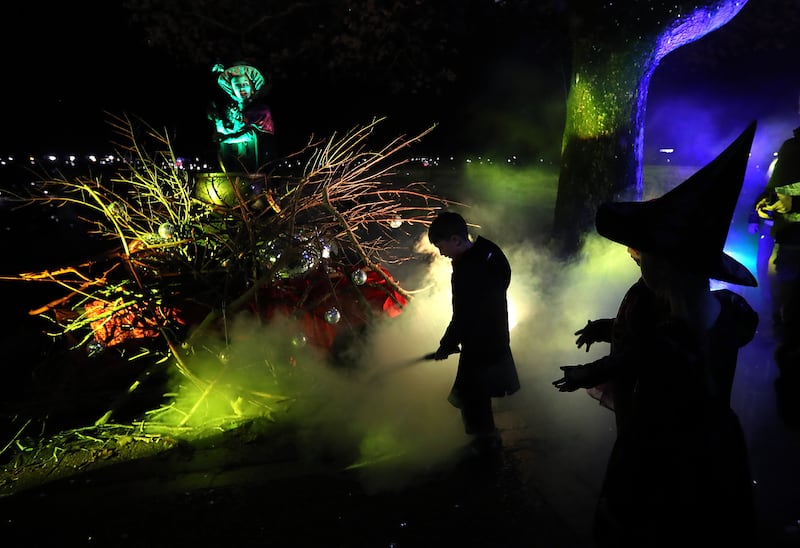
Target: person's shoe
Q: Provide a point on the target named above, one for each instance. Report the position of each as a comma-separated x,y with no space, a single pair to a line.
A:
486,445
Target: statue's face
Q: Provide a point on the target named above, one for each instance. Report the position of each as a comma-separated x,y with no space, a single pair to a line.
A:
242,87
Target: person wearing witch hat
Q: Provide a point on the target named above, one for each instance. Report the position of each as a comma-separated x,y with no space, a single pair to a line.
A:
678,472
244,130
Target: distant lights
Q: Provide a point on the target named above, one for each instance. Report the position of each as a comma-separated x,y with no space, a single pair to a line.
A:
195,164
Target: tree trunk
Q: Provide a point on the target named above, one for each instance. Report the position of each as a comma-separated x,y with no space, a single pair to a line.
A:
603,137
616,48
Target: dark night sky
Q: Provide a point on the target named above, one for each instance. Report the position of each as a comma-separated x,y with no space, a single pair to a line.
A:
71,68
74,65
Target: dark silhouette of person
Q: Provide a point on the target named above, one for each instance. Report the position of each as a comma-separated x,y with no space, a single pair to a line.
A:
679,472
478,328
636,313
243,127
779,204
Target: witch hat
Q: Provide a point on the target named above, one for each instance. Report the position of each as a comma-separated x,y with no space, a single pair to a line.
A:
689,224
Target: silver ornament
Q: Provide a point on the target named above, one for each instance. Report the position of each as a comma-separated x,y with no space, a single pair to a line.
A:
359,277
269,252
332,315
299,340
166,231
94,347
119,210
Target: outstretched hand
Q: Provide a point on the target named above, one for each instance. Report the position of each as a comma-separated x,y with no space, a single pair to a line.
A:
440,354
565,383
588,335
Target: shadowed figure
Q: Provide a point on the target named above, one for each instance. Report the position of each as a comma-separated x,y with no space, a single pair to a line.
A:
678,473
478,328
779,206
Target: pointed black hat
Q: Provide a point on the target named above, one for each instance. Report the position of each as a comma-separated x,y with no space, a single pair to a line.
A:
689,224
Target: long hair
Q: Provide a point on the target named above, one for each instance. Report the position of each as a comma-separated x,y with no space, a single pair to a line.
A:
683,290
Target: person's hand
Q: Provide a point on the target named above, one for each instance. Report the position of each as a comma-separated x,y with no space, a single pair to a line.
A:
563,384
761,209
593,332
439,355
570,382
783,204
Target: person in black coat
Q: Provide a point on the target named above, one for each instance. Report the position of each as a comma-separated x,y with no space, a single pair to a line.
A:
478,328
678,473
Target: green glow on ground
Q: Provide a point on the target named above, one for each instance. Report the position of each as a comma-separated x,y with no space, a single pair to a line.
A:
378,446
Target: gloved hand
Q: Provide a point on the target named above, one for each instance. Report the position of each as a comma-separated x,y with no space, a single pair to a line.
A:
440,354
764,208
593,332
571,381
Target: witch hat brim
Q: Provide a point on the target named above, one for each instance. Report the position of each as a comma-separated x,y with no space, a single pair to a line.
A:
690,223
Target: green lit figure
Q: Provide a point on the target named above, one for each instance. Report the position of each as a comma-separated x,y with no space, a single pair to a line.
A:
243,128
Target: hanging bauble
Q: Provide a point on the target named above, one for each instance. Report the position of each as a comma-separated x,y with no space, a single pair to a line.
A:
269,252
222,189
119,210
359,277
302,260
166,230
94,347
332,315
299,340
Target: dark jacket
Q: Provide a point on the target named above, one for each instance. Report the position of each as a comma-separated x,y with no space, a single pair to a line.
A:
479,324
614,375
785,228
681,468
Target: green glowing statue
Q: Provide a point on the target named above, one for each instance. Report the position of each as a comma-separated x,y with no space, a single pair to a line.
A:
243,128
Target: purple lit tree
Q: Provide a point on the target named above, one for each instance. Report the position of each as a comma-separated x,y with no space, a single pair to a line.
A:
616,47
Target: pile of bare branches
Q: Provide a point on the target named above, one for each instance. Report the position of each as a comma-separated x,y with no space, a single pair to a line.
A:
218,244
